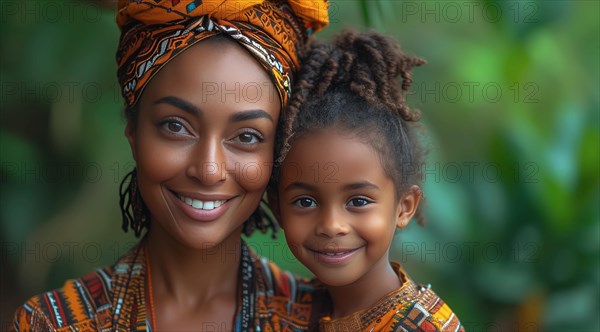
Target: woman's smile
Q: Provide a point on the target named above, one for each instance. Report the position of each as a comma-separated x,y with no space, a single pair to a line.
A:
203,207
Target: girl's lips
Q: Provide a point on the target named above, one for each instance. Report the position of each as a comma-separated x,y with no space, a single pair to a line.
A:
338,256
199,213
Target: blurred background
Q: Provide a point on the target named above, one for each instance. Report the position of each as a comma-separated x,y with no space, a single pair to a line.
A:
510,103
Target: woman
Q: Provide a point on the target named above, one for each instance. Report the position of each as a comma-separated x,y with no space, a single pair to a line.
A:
204,84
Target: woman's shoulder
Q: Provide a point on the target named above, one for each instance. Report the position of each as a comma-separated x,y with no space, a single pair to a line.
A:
283,283
280,282
82,303
287,300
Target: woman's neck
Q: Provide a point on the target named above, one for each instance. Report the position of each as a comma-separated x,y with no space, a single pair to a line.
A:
192,276
366,291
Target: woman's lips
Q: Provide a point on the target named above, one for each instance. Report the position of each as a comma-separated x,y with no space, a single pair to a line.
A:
334,256
206,209
205,204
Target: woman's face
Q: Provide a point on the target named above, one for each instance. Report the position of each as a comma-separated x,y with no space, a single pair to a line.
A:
203,142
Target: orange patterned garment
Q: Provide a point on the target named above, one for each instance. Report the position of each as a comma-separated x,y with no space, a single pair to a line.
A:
409,308
155,31
113,299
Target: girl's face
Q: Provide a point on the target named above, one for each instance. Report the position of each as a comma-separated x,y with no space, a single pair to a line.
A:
338,208
203,143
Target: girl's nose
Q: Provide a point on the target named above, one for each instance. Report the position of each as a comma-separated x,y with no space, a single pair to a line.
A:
332,224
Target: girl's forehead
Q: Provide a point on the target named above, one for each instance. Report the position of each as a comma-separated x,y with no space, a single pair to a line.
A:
334,139
332,162
332,147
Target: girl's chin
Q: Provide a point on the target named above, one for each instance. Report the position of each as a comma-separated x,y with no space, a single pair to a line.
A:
333,281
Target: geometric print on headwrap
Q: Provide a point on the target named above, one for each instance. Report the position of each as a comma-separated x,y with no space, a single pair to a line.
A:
154,31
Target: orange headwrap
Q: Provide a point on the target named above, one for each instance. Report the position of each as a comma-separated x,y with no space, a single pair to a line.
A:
155,31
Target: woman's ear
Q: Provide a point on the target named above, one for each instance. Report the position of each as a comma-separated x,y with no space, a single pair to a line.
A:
407,206
130,134
273,203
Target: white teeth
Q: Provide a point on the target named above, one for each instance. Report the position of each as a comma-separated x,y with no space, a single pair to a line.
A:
198,204
334,253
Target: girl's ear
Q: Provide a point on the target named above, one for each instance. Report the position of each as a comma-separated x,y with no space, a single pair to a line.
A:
130,134
407,206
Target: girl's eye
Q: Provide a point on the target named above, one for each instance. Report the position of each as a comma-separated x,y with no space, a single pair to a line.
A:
358,202
305,202
248,138
175,127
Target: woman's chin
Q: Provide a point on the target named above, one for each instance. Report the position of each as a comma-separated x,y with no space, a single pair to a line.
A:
201,238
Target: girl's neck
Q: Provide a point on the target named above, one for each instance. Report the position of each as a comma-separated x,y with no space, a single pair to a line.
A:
366,291
193,276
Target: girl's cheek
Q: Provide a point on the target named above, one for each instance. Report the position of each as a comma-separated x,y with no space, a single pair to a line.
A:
294,247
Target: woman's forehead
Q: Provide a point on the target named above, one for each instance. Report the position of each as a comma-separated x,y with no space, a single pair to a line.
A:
215,72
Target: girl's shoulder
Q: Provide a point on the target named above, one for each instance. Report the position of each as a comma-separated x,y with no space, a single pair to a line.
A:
424,311
416,307
411,307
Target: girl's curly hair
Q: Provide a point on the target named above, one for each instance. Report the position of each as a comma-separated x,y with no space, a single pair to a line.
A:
352,84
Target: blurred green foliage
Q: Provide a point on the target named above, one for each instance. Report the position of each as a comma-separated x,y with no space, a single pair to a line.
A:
509,99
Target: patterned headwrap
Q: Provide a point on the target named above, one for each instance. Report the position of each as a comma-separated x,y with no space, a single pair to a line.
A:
155,31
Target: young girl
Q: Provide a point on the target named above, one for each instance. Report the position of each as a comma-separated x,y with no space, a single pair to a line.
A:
345,183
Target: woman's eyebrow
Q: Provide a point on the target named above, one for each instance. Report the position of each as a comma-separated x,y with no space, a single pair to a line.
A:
250,115
190,108
179,103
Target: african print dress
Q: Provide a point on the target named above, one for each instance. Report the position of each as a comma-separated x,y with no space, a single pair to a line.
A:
113,299
408,308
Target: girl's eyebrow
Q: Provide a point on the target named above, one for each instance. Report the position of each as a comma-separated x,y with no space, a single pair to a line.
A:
360,185
298,185
179,103
348,187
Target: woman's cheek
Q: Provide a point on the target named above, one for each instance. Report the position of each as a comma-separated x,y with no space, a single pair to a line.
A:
254,173
161,162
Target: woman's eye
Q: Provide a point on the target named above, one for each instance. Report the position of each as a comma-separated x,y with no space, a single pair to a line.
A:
305,203
358,202
175,127
248,138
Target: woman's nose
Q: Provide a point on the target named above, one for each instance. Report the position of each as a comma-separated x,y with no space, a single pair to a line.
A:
208,163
